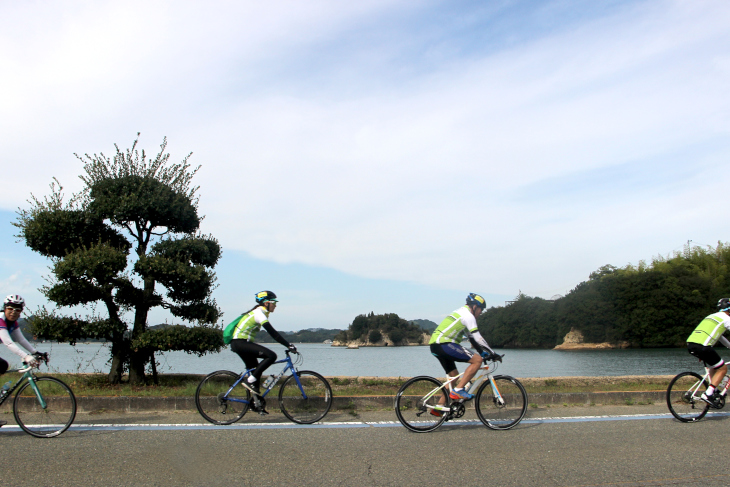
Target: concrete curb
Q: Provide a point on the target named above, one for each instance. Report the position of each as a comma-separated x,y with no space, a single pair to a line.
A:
89,404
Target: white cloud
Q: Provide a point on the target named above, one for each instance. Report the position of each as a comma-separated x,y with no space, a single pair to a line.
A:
323,145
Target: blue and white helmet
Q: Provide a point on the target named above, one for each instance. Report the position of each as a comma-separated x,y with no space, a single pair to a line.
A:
14,300
474,298
723,304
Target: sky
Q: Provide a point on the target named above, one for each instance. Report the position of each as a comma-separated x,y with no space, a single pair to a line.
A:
387,155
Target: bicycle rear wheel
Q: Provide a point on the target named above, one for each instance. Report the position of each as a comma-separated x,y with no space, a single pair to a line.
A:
312,405
49,421
414,404
683,397
214,401
501,414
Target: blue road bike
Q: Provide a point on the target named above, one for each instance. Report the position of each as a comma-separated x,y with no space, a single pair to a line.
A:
305,397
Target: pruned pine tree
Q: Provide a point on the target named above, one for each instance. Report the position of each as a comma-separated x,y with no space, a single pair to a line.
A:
127,243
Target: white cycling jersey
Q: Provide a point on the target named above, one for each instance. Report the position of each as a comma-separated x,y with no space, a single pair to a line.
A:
10,334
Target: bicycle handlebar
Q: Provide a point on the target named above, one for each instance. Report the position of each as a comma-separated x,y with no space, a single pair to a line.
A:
493,358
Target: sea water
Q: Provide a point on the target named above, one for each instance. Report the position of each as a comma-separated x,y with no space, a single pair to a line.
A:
387,361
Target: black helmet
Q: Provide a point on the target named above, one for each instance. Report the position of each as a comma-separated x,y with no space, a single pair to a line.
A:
264,296
723,304
473,298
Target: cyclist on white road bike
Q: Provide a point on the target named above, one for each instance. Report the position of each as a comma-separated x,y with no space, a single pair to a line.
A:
700,344
445,344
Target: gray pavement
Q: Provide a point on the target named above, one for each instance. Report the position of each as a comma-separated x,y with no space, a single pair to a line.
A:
622,452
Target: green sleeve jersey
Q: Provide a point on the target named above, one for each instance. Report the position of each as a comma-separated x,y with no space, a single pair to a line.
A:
452,327
250,324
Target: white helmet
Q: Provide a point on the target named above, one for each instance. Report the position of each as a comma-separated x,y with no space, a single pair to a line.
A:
14,300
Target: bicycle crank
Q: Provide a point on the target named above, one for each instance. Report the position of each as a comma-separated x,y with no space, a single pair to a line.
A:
457,409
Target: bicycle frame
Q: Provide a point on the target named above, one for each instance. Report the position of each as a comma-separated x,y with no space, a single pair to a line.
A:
707,377
482,374
288,367
30,377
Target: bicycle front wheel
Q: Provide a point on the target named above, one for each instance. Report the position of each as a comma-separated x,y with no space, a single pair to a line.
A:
308,404
416,402
683,397
504,410
46,410
218,401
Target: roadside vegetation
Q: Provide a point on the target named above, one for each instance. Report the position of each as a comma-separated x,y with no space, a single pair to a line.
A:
184,385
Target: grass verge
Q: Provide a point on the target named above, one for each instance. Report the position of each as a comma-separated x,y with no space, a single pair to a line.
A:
182,385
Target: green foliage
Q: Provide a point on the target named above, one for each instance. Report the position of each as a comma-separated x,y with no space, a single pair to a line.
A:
46,324
375,336
649,305
128,201
133,198
427,325
524,323
197,340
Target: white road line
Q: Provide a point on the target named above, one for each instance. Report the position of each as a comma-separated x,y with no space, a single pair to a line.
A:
348,424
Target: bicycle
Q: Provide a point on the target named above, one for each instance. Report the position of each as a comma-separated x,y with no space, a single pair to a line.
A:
423,404
683,395
305,397
44,407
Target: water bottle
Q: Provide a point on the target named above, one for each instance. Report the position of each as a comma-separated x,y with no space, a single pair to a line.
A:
723,384
5,389
268,382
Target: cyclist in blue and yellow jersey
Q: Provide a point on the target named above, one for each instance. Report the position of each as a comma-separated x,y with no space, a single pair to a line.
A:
700,344
243,342
445,344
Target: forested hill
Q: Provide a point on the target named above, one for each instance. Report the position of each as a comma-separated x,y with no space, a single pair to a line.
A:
427,325
649,305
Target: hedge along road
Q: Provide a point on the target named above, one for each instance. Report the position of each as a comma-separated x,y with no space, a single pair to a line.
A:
562,447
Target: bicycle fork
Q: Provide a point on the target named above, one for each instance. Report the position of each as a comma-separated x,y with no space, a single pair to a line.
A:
37,392
495,390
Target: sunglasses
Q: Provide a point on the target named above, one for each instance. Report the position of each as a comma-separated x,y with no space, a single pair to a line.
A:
14,308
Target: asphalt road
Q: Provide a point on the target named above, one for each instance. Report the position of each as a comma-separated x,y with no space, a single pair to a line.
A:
601,446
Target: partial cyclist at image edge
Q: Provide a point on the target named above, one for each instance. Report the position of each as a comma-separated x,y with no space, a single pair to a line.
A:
701,342
12,336
243,344
445,344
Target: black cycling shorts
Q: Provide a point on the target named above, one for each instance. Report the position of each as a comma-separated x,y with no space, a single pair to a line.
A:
450,353
707,354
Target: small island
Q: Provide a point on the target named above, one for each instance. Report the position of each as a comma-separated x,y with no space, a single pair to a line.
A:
385,330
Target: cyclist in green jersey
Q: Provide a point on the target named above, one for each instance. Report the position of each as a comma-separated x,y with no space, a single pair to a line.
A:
700,344
243,343
445,344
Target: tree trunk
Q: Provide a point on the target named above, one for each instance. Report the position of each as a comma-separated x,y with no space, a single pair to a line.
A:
137,360
155,380
119,354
